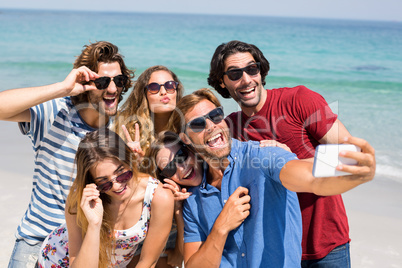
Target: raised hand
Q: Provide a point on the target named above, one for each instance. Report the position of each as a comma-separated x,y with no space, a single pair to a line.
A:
273,143
235,211
91,204
179,193
135,145
366,163
77,81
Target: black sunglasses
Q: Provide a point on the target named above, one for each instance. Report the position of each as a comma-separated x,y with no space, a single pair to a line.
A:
170,169
103,82
198,124
236,74
122,178
170,87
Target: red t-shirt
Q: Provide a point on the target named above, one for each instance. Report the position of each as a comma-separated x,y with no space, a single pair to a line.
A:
299,118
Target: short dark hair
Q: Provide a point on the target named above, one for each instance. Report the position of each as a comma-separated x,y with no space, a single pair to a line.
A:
218,63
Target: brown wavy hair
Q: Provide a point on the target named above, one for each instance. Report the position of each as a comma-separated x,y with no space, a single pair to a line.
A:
95,53
95,147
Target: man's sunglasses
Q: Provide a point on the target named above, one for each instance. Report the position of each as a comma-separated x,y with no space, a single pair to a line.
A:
180,157
236,74
122,178
103,82
170,87
198,124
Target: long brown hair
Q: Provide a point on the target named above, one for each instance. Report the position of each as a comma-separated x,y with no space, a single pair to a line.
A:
95,147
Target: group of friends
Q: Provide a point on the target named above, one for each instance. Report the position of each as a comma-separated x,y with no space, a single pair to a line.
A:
167,180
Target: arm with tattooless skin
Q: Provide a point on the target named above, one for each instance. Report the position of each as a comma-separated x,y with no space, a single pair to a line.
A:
15,103
84,252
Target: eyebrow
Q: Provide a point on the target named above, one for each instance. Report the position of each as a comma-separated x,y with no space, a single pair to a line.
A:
103,178
236,67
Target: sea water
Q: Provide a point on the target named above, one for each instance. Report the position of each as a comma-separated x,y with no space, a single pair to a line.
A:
355,65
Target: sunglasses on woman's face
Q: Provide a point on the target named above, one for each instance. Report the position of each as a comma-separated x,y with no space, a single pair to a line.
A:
198,124
103,82
122,178
170,169
236,74
170,87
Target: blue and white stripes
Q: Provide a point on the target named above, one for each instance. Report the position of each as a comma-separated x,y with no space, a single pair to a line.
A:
55,131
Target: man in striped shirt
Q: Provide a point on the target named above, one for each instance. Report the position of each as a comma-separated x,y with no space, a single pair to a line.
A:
55,118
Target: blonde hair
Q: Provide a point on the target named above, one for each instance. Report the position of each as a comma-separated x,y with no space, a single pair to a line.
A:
177,121
95,147
136,109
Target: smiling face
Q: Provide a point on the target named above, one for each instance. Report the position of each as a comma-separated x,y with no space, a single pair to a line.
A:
161,102
107,170
106,100
213,142
248,91
188,173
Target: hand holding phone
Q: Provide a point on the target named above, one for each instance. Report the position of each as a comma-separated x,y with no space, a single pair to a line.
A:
327,158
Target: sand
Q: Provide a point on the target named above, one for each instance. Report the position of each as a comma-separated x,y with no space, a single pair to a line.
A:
374,209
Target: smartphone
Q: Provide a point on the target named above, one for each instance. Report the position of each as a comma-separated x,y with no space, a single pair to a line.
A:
327,158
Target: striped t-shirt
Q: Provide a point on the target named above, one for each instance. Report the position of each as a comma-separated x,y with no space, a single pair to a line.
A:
55,130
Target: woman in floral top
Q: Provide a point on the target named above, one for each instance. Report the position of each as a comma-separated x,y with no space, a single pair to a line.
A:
108,210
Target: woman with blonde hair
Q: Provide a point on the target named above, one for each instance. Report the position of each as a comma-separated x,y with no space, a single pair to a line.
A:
110,209
148,108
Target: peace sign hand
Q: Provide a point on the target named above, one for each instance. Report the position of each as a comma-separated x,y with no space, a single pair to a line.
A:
134,145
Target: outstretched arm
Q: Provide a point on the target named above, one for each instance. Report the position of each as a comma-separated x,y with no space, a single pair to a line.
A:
15,103
297,175
209,253
336,134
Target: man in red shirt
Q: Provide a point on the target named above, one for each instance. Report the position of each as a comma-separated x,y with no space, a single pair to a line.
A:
297,117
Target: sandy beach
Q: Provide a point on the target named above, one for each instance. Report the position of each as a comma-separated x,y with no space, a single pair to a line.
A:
374,209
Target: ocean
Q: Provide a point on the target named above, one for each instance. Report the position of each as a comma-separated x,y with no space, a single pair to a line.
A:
355,65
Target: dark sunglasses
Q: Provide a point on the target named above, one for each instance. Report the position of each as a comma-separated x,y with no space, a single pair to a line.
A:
236,74
170,87
198,124
180,157
103,82
122,178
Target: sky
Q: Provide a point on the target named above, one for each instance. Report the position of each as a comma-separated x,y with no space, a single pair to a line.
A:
388,10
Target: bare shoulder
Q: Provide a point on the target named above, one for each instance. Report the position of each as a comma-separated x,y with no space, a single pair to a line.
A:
163,197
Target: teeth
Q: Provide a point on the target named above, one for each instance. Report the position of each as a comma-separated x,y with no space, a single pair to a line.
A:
214,137
121,190
188,173
247,90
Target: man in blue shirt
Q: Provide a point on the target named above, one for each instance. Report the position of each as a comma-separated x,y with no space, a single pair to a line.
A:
245,212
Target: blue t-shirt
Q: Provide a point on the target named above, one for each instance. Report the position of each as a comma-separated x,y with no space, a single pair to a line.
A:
271,235
55,130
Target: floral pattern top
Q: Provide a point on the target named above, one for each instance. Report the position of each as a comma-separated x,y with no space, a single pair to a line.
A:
54,250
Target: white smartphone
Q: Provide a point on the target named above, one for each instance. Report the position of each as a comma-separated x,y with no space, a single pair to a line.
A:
327,158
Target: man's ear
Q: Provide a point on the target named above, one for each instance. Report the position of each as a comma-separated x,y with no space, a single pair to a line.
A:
185,138
222,84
